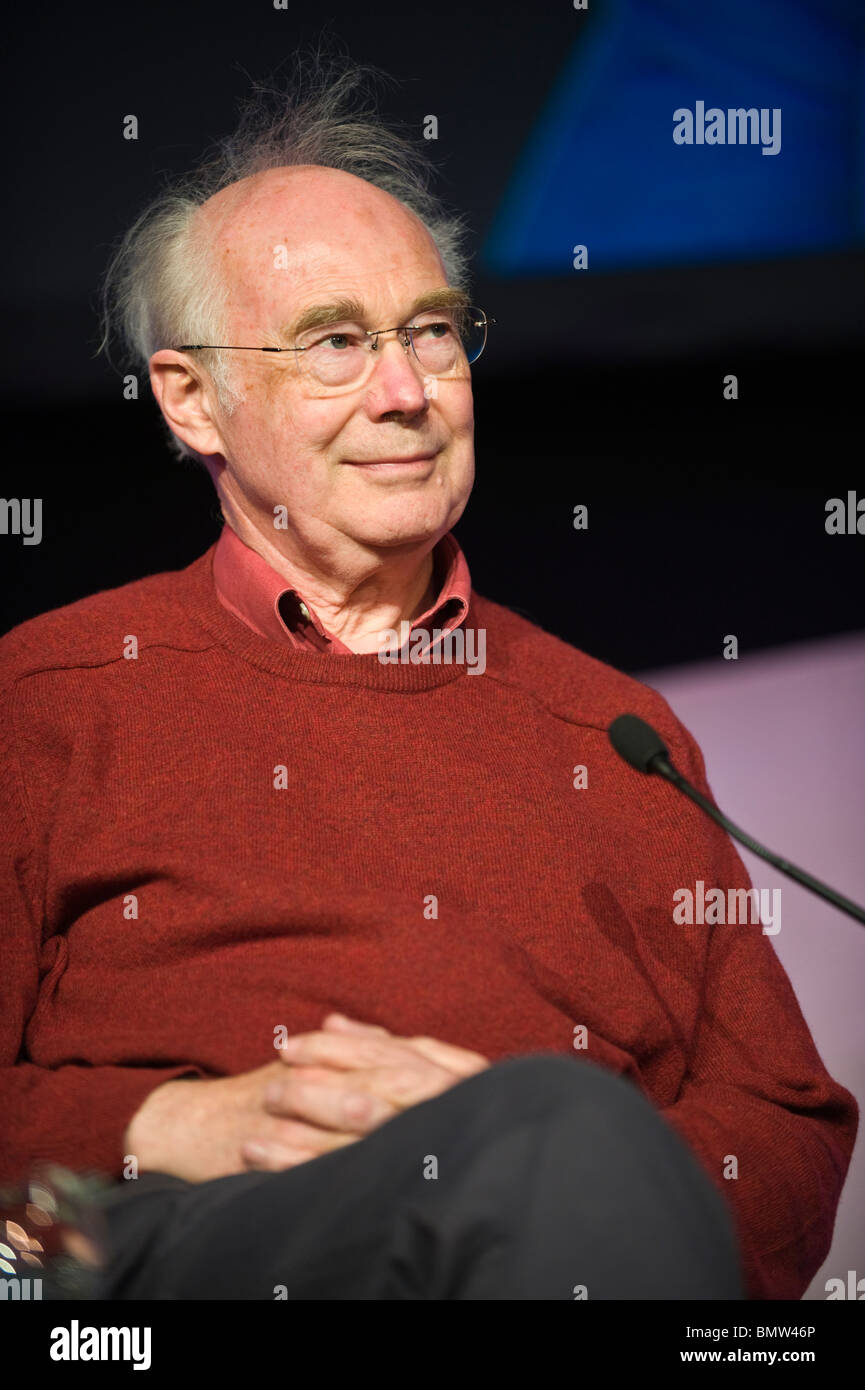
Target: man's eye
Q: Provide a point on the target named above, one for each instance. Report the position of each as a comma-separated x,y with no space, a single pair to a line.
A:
436,330
338,341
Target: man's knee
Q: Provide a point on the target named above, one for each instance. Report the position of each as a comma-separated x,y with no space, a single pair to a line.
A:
539,1081
538,1090
577,1100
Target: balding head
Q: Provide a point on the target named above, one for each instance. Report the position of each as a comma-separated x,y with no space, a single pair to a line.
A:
279,236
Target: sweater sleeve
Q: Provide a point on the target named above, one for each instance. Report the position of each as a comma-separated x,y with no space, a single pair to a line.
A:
758,1093
74,1115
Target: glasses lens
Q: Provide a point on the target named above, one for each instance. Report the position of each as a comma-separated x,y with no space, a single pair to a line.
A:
444,341
473,329
336,356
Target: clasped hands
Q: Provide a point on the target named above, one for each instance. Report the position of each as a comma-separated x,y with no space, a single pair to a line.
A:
345,1080
328,1089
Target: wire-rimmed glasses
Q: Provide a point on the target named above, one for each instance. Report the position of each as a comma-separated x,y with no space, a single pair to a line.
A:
341,356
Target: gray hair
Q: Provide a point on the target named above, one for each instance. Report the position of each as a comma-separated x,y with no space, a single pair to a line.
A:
160,287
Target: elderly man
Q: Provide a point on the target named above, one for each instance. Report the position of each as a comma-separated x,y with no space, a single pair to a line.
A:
273,785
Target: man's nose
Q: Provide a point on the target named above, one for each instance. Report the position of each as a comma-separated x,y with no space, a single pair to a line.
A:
397,381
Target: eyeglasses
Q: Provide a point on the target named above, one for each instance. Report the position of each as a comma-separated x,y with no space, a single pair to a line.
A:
341,355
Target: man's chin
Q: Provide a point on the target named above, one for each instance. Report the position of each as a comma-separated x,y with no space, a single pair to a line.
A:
406,531
406,540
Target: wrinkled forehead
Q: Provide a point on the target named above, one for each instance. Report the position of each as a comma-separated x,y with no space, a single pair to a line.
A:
288,237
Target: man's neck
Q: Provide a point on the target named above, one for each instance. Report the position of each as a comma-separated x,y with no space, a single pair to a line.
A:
357,608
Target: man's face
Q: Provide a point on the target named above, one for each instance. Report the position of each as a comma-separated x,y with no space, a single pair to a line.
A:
290,239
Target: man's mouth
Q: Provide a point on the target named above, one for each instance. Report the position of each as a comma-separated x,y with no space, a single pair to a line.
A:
408,463
391,462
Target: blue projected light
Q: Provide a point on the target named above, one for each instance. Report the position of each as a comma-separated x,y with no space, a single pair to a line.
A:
602,168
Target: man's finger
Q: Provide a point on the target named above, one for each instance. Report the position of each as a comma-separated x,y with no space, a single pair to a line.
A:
342,1024
344,1051
272,1158
456,1059
460,1060
338,1105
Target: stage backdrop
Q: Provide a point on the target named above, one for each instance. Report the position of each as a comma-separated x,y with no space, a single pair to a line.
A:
783,742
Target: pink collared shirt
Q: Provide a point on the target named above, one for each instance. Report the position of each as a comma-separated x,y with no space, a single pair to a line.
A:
261,597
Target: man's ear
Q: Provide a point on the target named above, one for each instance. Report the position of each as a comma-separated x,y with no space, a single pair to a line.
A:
187,400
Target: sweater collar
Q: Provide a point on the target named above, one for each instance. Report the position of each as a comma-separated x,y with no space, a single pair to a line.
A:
277,656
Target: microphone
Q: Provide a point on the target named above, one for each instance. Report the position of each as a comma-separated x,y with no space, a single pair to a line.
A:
643,748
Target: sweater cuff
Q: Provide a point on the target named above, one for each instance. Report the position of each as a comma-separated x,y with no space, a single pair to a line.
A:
90,1109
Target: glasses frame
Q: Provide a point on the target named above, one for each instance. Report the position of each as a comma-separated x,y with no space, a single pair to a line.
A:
409,329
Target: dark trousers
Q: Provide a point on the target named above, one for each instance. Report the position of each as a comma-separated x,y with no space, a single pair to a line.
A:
537,1179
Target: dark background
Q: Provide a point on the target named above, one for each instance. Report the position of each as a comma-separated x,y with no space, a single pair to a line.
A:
603,387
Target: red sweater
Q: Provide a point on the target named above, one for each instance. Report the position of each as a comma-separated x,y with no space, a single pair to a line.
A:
225,834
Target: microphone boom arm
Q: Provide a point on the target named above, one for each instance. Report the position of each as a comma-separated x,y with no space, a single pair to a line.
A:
643,749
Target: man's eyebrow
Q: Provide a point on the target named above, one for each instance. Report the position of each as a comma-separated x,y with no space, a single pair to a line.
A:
352,311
